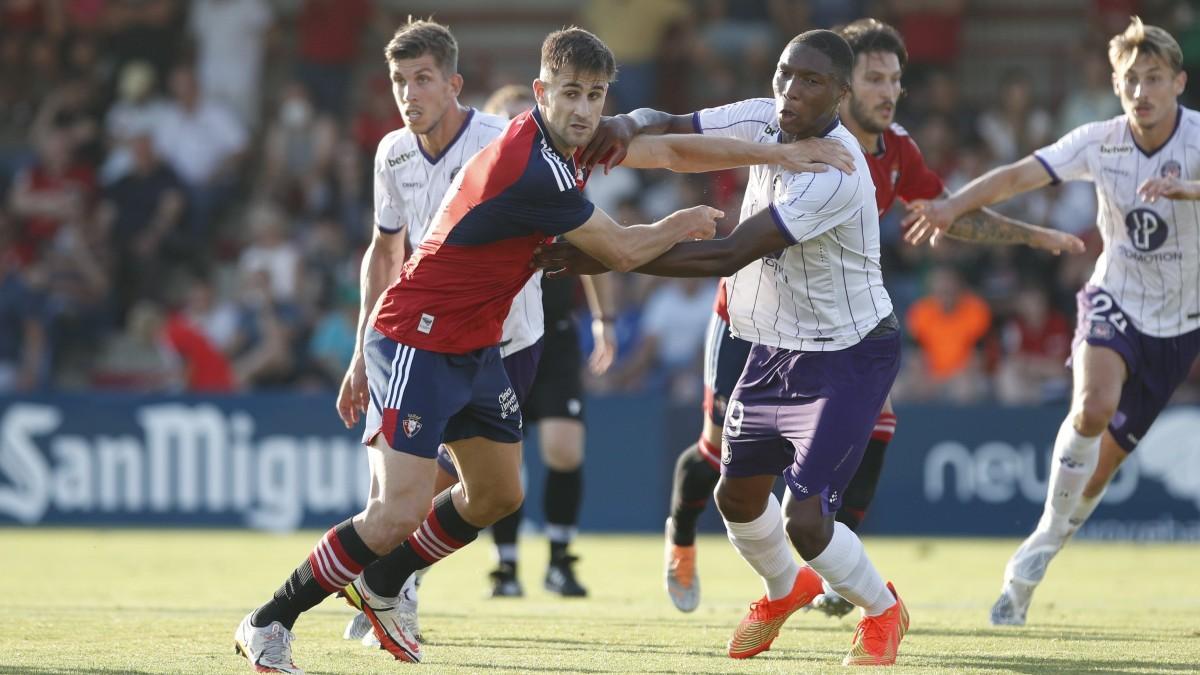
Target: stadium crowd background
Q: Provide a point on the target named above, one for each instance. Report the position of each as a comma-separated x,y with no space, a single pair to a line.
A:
187,185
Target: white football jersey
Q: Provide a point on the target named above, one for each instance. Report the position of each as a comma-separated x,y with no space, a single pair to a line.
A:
1151,259
824,292
409,187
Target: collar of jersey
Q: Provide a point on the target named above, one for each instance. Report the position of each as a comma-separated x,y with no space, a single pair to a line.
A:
461,130
537,117
1178,119
837,119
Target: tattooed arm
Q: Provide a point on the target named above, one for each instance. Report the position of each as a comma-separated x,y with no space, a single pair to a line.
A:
985,226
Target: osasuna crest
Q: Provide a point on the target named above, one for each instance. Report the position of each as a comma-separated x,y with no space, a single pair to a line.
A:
1170,169
411,425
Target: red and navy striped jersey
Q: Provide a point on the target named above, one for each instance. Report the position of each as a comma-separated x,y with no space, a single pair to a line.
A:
515,194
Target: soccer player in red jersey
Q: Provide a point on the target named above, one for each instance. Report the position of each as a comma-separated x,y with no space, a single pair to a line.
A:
898,172
433,365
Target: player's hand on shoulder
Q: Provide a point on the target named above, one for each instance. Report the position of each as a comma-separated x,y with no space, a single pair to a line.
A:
927,219
610,143
1169,187
815,155
562,258
353,395
698,222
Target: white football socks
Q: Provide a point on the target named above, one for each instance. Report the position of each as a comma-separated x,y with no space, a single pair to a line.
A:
1071,466
763,543
845,566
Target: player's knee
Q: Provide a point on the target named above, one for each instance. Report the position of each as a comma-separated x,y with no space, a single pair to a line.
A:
386,526
498,501
735,507
1092,413
810,535
563,456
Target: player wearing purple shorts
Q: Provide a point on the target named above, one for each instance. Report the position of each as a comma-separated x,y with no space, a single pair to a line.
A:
805,288
1138,329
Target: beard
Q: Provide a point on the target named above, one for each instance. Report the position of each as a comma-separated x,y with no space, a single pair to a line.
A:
863,118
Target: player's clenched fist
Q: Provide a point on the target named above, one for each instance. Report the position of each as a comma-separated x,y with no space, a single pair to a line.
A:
698,222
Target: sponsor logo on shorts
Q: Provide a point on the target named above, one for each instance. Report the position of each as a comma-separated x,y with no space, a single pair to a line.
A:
1101,330
426,323
1170,169
833,497
726,452
411,425
508,403
574,407
1116,149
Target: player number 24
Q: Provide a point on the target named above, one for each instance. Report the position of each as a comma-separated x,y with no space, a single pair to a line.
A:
1102,306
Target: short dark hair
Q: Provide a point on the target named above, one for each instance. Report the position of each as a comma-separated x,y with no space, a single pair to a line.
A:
871,35
832,45
576,49
419,37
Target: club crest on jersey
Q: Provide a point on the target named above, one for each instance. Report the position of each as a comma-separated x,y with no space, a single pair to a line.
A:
411,425
1147,229
1170,169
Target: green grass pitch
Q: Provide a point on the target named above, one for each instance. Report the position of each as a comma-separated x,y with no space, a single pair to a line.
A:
146,601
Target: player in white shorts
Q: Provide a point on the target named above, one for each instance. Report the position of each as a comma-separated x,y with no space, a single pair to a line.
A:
1138,329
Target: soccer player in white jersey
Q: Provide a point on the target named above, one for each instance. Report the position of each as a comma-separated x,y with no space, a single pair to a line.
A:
805,288
1138,329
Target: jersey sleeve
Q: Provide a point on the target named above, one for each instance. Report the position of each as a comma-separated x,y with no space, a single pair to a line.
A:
1067,159
744,119
389,216
917,180
814,203
545,207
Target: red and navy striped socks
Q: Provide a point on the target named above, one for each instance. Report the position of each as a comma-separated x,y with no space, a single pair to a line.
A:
443,532
335,561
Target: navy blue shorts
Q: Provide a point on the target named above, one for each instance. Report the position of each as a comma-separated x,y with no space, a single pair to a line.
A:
421,399
808,415
724,360
521,368
1156,365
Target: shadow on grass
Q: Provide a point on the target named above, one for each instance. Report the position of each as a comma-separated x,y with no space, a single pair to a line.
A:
54,670
1037,665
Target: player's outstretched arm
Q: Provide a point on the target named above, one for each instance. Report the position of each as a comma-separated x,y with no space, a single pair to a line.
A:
381,264
694,153
757,236
624,248
985,226
997,185
612,138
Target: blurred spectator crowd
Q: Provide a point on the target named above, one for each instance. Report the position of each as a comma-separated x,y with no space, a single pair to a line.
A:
186,187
